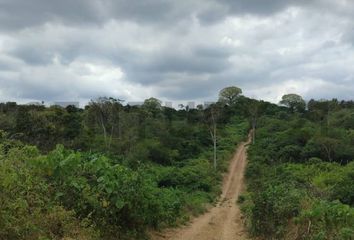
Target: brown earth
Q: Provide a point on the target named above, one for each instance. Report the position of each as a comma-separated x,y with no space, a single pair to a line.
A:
224,221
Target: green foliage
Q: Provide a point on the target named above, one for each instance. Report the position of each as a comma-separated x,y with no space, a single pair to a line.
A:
337,183
327,220
273,207
116,198
229,95
197,175
27,208
119,170
109,171
294,102
300,176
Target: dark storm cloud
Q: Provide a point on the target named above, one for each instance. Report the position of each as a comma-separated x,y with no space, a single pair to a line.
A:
261,7
189,63
179,50
188,91
33,56
18,14
15,14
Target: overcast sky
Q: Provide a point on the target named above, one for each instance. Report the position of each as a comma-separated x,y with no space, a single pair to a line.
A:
180,50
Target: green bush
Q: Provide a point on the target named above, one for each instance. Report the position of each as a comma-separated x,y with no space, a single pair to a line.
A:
327,220
115,197
300,180
26,207
272,209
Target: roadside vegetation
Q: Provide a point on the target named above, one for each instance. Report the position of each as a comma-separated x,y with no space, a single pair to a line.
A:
110,171
301,172
114,171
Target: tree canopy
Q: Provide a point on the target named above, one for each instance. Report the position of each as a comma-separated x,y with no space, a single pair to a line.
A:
229,95
113,171
294,102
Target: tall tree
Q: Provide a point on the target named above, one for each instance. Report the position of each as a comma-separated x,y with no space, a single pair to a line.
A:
253,111
106,112
294,102
212,114
153,106
229,95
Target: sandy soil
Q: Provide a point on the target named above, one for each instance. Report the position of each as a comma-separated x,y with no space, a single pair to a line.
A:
222,222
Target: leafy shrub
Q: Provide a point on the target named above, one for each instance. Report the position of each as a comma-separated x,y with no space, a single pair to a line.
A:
327,220
272,209
115,197
27,210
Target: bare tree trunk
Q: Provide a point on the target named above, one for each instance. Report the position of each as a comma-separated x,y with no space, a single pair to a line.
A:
111,136
104,130
213,137
328,110
119,126
212,126
328,151
214,146
254,131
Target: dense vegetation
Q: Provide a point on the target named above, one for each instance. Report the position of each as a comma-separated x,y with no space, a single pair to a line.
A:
301,173
113,171
109,171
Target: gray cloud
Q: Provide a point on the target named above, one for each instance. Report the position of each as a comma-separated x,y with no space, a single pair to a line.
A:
17,14
178,50
264,7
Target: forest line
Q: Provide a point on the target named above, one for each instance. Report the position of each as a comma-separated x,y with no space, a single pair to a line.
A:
113,171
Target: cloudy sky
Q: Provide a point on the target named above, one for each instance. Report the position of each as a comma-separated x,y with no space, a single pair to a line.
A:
180,50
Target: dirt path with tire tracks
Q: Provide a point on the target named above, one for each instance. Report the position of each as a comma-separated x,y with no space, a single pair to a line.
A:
222,222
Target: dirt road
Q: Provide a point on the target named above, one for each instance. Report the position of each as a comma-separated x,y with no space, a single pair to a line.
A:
222,222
